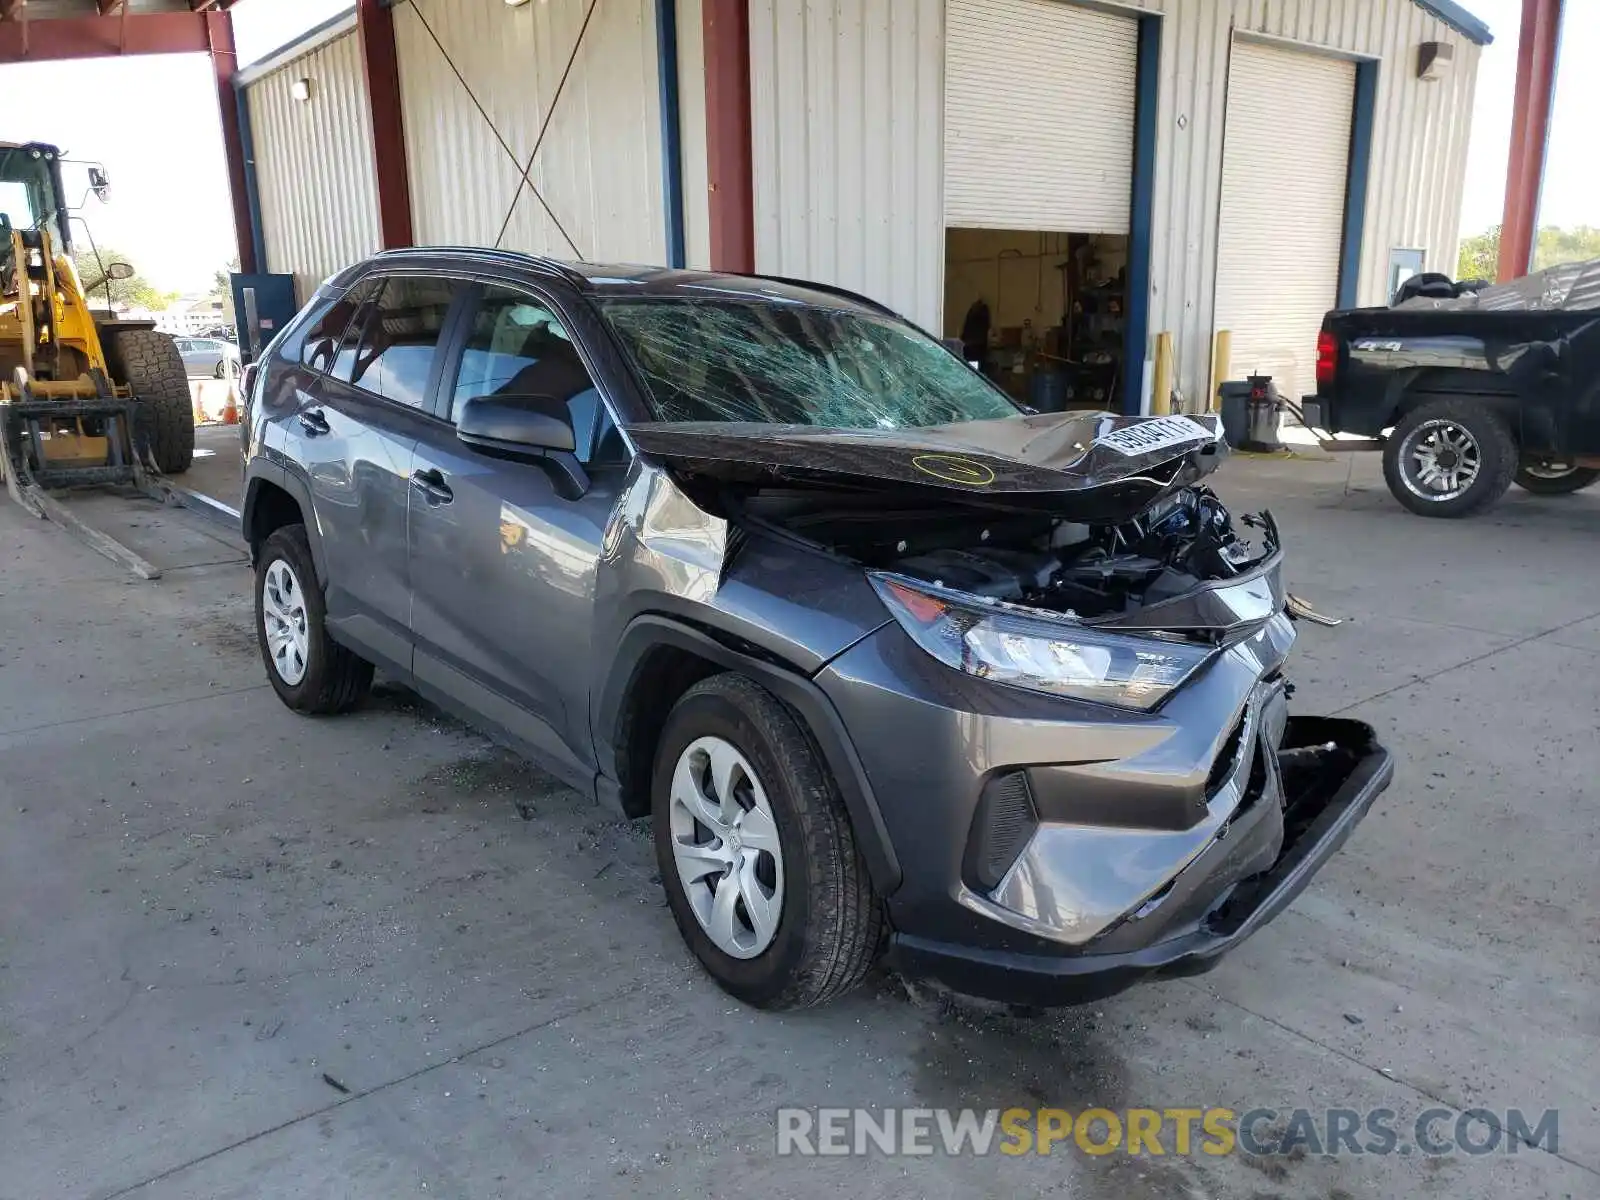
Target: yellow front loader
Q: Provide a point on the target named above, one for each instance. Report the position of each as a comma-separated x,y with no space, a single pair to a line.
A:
85,399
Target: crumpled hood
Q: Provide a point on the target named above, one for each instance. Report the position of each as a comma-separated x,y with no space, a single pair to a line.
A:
1084,466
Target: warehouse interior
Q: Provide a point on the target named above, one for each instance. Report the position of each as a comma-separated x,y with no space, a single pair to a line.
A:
1041,311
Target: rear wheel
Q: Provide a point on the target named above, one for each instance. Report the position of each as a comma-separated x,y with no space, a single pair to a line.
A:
1450,458
148,361
1554,478
756,851
310,671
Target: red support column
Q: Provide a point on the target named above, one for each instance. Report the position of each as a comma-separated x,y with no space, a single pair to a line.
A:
225,64
1537,46
375,26
726,25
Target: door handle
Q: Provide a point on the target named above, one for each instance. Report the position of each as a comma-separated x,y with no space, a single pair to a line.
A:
314,422
432,485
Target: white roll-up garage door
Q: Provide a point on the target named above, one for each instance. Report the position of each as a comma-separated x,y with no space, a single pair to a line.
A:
1286,150
1038,116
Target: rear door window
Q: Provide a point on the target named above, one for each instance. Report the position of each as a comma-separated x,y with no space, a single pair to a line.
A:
398,338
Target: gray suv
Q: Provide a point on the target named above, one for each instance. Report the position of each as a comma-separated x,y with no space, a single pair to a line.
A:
895,668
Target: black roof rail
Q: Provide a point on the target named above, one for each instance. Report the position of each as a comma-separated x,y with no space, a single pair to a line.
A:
829,289
553,266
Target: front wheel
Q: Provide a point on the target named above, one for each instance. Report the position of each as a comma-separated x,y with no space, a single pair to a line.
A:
1554,478
756,851
1450,458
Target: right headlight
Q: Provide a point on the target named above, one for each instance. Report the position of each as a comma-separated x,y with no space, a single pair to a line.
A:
1038,651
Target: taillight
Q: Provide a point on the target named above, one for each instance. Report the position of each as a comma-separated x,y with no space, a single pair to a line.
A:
1327,357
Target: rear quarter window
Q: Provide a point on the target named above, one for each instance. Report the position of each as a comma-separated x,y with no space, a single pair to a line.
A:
312,338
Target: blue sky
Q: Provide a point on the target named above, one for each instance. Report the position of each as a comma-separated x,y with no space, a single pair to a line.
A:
161,140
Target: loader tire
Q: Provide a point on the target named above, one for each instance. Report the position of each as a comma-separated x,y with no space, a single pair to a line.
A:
148,361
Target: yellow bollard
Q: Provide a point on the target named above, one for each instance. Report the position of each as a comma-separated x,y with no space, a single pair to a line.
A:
1161,392
1221,354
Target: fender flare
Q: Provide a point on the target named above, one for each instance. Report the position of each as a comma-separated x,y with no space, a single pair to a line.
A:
808,701
260,473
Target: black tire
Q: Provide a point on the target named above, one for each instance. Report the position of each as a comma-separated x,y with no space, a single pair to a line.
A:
1544,480
148,361
336,679
831,925
1497,450
222,370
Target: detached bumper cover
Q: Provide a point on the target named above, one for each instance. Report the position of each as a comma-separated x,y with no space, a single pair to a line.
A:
1332,771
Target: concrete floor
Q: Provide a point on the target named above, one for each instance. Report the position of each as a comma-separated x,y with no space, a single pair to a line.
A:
248,954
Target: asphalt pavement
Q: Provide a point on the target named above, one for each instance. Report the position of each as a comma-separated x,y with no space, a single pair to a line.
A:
249,954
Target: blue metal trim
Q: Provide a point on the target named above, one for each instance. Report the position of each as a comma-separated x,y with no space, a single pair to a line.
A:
671,136
1355,188
252,190
1458,18
1136,303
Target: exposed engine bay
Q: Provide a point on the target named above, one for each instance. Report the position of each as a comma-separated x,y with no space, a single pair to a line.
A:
1175,546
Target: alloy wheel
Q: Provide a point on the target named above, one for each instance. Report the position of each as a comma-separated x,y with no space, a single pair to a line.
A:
725,846
1549,470
1440,460
283,620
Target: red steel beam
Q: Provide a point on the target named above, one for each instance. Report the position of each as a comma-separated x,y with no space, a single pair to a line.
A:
225,65
1538,44
729,174
40,39
375,27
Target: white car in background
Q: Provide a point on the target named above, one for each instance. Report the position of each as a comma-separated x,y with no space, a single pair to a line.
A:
209,357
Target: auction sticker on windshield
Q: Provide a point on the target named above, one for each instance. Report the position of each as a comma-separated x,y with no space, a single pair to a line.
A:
1157,433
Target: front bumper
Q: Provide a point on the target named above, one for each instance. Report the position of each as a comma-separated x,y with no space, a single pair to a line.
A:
1331,771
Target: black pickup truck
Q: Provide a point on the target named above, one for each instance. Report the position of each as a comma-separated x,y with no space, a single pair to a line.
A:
1468,387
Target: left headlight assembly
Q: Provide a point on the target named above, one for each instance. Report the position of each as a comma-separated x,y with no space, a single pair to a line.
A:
1042,653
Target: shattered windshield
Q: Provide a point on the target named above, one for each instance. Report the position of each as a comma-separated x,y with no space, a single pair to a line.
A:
795,364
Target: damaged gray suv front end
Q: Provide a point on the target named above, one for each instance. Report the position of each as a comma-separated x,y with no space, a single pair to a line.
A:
1074,732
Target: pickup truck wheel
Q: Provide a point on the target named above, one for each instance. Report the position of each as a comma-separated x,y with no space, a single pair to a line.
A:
1450,458
1554,478
756,851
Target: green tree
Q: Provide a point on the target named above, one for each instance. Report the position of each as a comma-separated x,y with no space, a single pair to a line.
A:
222,288
1556,246
1480,254
136,291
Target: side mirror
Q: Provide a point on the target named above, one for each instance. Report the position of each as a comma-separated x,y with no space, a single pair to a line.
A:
100,184
119,270
533,429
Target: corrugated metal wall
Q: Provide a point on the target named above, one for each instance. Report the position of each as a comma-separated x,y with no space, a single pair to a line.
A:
1418,151
313,158
847,103
598,169
847,117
